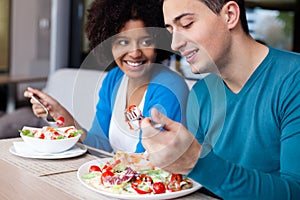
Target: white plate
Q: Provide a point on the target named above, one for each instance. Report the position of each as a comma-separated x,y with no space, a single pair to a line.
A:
73,152
85,168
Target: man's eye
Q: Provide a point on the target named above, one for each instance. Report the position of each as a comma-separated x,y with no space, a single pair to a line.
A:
187,25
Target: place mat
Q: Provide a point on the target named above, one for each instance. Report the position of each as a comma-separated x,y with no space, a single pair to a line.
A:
63,173
22,149
69,183
40,167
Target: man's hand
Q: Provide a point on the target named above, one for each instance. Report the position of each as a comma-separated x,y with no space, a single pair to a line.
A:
174,149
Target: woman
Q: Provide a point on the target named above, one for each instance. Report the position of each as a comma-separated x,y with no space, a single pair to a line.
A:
137,80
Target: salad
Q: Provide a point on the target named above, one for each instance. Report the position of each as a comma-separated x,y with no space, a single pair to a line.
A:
117,177
50,133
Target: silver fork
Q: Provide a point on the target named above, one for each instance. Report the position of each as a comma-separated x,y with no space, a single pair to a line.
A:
133,114
49,118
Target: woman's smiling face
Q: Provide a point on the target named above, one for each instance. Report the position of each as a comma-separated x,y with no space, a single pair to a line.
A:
134,50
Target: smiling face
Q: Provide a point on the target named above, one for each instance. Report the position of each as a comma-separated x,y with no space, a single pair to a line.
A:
200,35
134,50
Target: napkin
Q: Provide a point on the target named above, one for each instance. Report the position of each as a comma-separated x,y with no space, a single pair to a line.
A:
24,149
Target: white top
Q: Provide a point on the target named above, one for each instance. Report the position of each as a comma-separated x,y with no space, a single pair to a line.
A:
120,135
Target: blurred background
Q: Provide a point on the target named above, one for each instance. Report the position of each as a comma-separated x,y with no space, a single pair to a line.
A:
38,37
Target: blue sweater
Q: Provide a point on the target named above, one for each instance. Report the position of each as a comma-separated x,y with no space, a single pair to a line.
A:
251,139
167,91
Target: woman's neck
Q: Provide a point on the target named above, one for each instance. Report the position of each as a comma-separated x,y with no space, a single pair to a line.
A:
136,90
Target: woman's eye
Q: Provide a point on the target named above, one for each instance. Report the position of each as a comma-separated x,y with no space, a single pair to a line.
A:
147,42
123,42
120,42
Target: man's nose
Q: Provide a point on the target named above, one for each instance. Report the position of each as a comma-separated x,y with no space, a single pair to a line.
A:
177,41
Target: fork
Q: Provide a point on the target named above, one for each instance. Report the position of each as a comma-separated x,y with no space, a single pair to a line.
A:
49,118
133,114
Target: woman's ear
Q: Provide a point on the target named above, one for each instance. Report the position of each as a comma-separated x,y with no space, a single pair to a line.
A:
231,14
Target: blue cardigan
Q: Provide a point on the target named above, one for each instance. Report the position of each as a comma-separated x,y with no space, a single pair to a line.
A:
167,91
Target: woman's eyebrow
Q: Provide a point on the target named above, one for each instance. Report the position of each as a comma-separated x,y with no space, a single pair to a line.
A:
120,36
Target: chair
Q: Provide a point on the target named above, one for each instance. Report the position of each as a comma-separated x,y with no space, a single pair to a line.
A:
76,89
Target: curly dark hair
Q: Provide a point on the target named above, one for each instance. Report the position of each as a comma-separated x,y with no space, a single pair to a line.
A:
107,17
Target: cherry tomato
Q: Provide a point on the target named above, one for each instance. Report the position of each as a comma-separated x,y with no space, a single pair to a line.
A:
56,133
94,168
176,177
69,129
139,190
159,187
140,183
174,184
42,136
60,121
145,178
105,174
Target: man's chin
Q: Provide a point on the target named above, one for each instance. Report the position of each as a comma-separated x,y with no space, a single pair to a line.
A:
204,70
195,70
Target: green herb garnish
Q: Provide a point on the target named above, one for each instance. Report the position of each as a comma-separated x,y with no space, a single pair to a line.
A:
27,133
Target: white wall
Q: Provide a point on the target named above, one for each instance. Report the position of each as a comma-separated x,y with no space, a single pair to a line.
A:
25,38
39,38
29,53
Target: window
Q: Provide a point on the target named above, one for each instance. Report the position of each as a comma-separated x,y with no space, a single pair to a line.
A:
272,27
284,16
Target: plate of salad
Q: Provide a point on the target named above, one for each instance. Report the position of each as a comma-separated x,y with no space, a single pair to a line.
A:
121,179
50,140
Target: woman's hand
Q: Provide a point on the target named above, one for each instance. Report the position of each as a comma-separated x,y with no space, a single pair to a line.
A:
55,109
174,149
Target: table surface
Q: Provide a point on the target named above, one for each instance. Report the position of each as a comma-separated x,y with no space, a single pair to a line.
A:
27,178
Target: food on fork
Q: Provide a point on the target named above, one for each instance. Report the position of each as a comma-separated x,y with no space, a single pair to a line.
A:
60,121
133,117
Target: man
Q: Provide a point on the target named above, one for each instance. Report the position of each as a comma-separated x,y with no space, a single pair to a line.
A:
243,118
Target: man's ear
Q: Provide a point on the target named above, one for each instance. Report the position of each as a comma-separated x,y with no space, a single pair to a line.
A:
231,14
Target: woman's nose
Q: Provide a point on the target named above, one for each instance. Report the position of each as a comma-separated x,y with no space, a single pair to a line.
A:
135,53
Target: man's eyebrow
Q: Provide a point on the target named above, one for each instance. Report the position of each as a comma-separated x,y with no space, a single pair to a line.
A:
176,19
